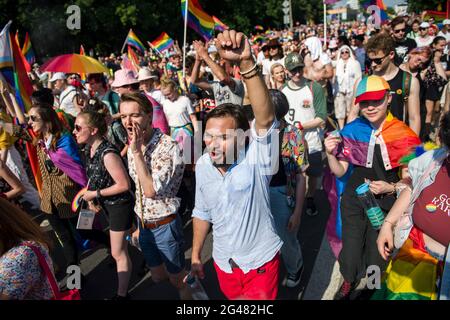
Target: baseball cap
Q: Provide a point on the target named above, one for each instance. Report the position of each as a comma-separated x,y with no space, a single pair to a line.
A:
424,25
293,60
446,22
58,76
371,88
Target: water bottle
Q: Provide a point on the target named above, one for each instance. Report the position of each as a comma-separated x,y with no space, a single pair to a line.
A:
197,290
370,205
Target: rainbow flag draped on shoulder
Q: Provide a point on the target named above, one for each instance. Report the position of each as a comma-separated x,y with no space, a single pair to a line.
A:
133,40
12,67
163,42
198,19
396,140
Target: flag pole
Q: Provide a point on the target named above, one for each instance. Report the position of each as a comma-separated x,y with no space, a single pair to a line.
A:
186,9
123,47
324,23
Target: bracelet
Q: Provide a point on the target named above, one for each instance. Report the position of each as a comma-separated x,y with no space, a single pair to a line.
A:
248,71
99,196
385,220
253,74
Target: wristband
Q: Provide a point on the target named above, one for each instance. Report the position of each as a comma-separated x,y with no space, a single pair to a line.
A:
99,196
248,71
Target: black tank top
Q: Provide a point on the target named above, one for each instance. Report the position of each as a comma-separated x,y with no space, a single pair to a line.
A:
398,103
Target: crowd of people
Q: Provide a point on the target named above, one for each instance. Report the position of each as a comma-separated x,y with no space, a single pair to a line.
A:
239,141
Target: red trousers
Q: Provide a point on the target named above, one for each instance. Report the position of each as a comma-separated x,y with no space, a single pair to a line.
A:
257,284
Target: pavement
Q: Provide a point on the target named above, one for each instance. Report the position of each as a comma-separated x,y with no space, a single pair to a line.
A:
320,278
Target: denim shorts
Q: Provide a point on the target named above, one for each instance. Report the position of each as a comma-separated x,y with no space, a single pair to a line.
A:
164,245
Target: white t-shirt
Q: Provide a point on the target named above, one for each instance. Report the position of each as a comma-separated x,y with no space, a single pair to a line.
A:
260,58
157,95
446,35
267,64
177,112
424,42
66,100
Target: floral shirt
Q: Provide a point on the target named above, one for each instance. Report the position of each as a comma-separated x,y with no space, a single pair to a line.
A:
21,275
163,157
295,159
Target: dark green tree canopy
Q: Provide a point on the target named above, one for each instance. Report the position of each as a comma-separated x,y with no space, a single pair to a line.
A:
105,23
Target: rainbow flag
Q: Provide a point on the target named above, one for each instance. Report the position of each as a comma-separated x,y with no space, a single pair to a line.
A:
133,59
219,25
259,28
438,16
380,4
82,52
198,19
12,67
162,43
133,40
27,51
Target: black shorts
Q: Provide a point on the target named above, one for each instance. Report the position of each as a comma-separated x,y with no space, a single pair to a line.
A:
315,168
434,93
120,216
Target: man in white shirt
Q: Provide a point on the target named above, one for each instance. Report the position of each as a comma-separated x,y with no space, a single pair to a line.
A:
445,32
424,39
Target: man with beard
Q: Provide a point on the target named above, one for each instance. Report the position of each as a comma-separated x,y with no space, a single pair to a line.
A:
233,195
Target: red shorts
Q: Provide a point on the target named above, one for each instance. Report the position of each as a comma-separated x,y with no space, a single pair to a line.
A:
257,284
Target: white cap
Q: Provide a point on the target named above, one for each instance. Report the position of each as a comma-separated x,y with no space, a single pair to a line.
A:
145,74
58,76
424,25
446,22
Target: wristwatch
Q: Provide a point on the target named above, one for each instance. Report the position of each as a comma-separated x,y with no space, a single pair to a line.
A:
99,196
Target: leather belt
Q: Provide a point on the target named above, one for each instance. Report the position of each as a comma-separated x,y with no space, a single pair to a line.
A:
159,223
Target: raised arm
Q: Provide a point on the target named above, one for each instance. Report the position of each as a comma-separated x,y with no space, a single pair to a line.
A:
234,46
195,76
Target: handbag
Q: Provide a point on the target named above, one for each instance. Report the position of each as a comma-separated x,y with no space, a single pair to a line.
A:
73,294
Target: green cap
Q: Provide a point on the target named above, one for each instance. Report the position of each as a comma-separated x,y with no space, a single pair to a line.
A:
293,60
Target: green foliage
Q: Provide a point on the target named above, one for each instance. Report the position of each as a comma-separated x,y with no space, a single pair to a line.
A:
105,23
420,5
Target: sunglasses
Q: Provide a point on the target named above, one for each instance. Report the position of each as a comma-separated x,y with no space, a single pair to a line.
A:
345,52
378,60
34,118
423,29
78,128
399,30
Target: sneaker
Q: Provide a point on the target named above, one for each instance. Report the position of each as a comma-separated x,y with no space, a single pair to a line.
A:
345,291
292,280
311,209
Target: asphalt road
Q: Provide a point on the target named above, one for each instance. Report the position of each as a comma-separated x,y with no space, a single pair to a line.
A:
100,279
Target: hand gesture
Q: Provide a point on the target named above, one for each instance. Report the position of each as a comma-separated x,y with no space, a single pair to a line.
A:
233,46
200,49
137,139
331,143
380,187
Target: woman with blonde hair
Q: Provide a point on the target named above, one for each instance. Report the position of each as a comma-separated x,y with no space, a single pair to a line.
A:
277,76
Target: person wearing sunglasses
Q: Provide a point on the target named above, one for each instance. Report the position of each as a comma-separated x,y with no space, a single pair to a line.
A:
424,39
367,150
276,55
405,104
109,183
347,74
403,45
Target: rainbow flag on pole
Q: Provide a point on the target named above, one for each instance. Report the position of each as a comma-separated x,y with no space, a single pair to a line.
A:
219,25
27,51
438,16
380,4
12,67
133,59
198,19
133,40
163,42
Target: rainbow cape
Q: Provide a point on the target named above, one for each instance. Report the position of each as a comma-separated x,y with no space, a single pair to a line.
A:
198,19
133,40
357,148
163,42
219,25
67,158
